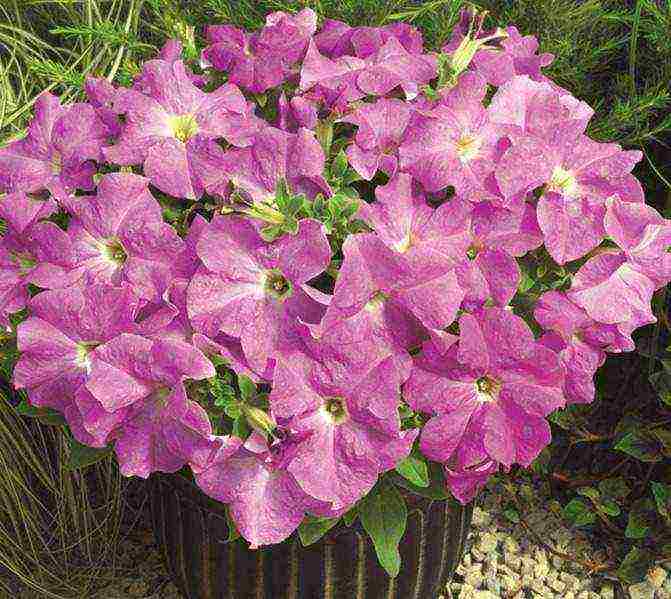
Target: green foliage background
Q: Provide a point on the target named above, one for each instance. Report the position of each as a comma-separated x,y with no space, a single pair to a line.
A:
608,460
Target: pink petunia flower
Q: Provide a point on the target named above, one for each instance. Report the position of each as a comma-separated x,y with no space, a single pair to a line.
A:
32,250
135,395
119,235
489,393
266,503
272,155
337,83
264,59
351,426
64,327
337,39
411,260
578,174
58,153
454,143
381,130
170,125
253,290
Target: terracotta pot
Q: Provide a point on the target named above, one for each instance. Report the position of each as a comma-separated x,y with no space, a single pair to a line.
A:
191,529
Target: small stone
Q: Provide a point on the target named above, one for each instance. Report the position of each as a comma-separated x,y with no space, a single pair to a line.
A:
583,595
537,586
474,578
467,560
487,543
642,590
481,518
528,566
467,592
485,595
557,561
570,580
551,577
511,546
477,555
607,592
569,595
493,585
558,586
541,570
138,589
512,561
657,576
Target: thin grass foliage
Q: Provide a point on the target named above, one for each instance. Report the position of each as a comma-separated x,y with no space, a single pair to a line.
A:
59,529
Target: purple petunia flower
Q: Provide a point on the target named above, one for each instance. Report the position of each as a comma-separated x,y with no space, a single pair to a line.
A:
272,155
119,235
548,149
411,260
381,130
64,327
266,503
58,152
261,60
31,251
351,425
489,393
343,80
454,143
253,290
337,39
498,235
645,237
135,396
170,124
611,289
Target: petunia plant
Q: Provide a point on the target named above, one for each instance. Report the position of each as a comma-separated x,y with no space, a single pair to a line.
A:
320,265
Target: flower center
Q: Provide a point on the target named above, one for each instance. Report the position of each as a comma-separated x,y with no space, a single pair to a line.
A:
487,389
83,360
56,163
468,147
114,252
563,181
184,126
277,285
376,302
335,409
403,245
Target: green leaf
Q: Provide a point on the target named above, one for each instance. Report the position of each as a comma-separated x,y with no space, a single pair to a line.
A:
414,469
661,382
271,233
614,487
247,387
384,515
512,515
662,495
641,519
83,455
526,282
312,529
578,514
351,515
44,415
240,427
641,446
634,566
233,532
339,167
437,488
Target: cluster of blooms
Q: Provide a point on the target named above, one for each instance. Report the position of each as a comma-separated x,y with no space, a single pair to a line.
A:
126,311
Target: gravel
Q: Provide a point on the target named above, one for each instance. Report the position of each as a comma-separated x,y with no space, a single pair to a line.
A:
502,561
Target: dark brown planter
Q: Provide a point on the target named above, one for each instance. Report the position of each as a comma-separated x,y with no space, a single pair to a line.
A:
191,529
